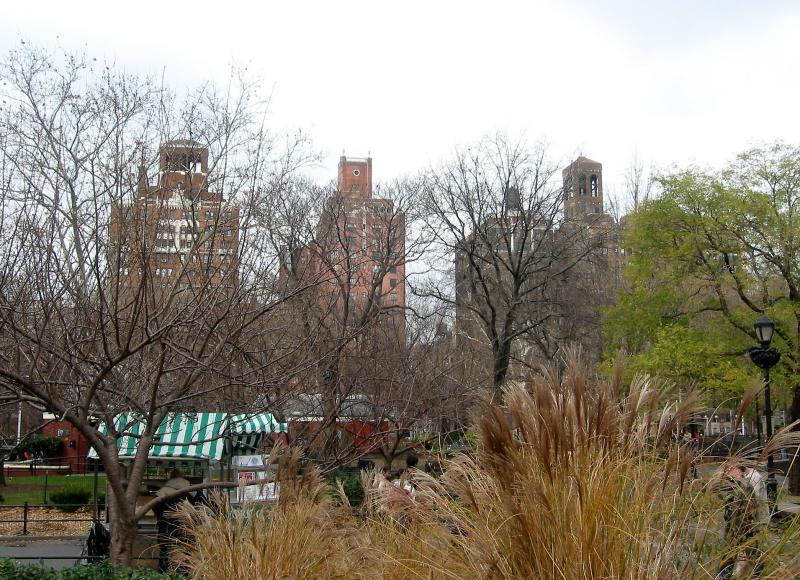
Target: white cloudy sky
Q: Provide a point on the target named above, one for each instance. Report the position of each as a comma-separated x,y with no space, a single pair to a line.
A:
678,80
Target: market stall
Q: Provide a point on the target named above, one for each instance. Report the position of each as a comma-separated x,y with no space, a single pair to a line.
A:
202,446
252,436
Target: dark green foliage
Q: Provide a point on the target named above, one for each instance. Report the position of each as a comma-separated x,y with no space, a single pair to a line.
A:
73,498
13,570
351,482
43,446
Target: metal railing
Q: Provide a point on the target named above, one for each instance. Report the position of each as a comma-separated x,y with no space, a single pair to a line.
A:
67,465
98,509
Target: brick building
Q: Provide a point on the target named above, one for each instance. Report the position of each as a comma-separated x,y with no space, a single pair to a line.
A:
75,445
357,259
176,234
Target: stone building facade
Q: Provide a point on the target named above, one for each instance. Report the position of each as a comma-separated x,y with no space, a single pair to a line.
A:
576,263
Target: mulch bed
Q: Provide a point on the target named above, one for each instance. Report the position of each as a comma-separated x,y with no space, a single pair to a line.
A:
42,521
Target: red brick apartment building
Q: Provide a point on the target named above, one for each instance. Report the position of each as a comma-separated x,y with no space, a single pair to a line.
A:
357,260
177,232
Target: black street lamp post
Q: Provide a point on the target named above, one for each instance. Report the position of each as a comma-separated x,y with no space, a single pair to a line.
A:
766,358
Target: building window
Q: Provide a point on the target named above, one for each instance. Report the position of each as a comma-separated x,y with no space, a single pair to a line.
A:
582,185
210,215
377,255
392,269
393,283
593,185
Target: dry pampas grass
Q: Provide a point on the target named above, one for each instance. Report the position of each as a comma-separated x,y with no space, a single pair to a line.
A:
572,478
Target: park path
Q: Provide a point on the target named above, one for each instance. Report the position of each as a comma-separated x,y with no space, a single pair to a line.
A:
56,554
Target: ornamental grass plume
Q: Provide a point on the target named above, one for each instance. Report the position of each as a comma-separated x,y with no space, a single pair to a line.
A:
301,536
572,478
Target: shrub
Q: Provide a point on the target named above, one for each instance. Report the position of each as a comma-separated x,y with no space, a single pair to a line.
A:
13,570
42,446
71,498
351,483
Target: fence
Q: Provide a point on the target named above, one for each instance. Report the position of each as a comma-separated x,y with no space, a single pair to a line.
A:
52,466
26,516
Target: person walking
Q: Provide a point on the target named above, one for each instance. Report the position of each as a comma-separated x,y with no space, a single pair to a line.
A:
168,528
745,517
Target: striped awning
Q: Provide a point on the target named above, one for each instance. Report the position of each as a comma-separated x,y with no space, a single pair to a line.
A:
258,423
187,435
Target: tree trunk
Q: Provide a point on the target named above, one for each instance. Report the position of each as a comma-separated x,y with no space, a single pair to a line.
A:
123,533
502,359
794,473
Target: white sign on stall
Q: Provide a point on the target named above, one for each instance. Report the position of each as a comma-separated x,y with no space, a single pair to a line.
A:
250,469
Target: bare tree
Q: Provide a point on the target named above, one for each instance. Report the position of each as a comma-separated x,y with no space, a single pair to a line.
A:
92,325
355,250
638,182
494,215
411,386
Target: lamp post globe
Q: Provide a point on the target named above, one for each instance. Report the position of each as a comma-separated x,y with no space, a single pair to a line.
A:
764,328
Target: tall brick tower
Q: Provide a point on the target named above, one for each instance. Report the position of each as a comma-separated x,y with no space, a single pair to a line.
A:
357,260
583,189
355,177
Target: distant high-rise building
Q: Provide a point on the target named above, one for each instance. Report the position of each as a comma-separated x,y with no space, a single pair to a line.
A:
571,270
175,235
357,259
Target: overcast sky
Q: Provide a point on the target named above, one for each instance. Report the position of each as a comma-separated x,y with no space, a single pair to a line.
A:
677,80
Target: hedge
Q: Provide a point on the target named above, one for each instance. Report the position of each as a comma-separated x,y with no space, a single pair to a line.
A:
13,570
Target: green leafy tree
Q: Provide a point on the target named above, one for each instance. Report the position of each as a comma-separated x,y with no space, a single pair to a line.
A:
714,251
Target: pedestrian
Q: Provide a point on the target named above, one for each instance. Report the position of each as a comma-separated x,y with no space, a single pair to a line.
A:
407,480
166,520
744,502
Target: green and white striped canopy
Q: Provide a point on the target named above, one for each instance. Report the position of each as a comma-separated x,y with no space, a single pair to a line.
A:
180,435
193,435
258,423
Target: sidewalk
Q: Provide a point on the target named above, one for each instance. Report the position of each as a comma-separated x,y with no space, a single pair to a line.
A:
789,506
